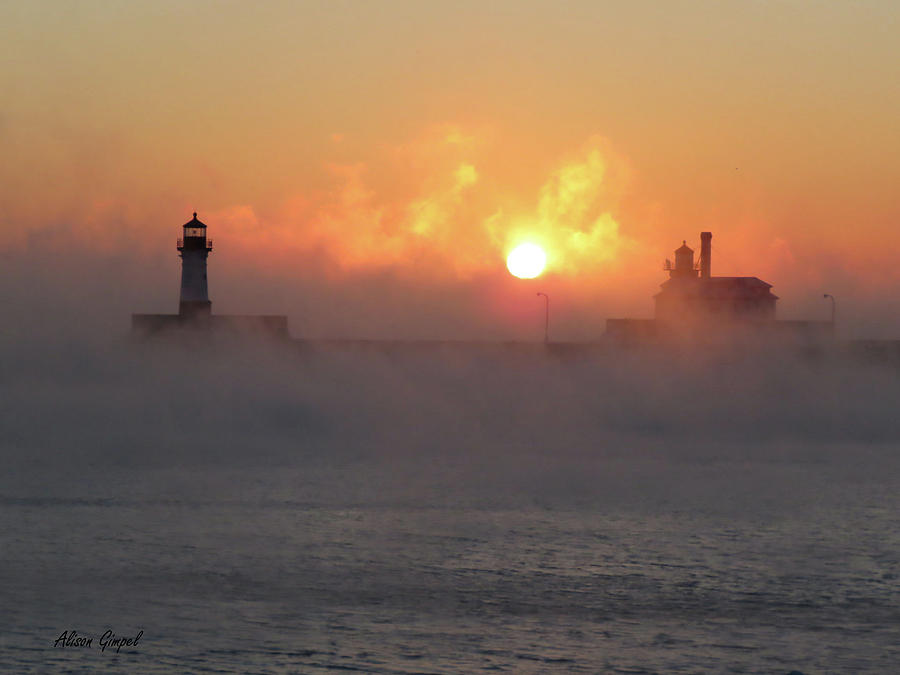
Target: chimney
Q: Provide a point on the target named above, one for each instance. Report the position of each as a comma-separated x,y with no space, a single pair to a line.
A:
705,253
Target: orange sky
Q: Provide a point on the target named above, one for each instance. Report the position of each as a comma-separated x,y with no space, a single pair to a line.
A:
366,167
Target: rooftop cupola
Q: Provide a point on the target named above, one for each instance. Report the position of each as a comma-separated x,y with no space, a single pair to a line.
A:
684,262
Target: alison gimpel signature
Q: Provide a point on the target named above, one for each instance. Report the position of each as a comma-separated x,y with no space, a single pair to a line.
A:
71,638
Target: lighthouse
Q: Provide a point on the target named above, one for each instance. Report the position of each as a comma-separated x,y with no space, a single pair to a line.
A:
195,309
194,248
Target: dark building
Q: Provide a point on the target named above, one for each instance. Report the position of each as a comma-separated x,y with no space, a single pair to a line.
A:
691,293
194,306
194,249
696,305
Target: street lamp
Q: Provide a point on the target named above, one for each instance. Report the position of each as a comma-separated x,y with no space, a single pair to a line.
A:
546,317
833,309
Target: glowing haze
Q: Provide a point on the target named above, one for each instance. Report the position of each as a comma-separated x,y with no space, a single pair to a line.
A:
367,168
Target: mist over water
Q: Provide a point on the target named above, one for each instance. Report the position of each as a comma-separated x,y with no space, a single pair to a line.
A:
299,508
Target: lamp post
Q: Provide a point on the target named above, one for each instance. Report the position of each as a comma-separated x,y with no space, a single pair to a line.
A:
833,310
546,317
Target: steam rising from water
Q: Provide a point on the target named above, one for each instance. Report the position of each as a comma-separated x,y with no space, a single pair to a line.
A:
476,421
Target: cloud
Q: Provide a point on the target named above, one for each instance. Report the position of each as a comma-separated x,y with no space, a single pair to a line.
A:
448,223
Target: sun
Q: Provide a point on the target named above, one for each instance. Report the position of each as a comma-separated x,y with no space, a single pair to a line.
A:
526,261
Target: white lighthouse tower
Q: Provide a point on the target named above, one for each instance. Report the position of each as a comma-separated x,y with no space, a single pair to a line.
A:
194,248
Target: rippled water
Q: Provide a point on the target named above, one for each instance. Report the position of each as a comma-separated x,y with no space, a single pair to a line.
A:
260,581
508,555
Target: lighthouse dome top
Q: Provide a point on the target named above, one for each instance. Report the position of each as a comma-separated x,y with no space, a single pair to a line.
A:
193,222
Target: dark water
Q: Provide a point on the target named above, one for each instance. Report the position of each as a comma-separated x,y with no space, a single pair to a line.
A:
419,517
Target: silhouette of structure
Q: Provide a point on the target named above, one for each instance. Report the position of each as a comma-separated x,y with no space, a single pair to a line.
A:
704,296
194,306
194,249
694,304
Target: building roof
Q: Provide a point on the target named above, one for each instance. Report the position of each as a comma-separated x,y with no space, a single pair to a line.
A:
718,287
194,222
